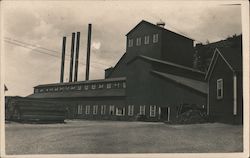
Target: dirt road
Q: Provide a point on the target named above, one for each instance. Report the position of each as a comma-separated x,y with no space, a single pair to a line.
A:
79,137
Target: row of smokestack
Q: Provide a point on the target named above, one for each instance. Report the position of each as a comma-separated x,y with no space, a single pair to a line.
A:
74,57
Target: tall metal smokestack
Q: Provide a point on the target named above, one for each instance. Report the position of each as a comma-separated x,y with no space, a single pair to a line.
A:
88,52
72,57
77,55
63,59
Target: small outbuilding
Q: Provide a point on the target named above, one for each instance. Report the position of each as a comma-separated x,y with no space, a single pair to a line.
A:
225,93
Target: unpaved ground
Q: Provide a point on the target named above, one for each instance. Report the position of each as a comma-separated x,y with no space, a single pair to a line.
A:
78,137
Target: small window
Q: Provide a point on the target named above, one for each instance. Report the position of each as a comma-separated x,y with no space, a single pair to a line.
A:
61,88
142,110
93,86
87,109
124,84
155,38
100,86
219,88
109,85
95,109
152,111
120,111
117,85
146,40
79,110
130,110
138,41
130,43
103,109
111,109
86,87
79,87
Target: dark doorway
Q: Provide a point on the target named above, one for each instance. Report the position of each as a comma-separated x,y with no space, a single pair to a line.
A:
165,113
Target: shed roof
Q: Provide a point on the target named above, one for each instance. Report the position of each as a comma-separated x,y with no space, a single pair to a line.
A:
199,86
170,64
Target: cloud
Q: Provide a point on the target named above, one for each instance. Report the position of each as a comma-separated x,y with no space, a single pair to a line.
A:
96,45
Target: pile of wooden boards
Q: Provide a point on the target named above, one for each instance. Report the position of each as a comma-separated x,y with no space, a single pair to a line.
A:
34,110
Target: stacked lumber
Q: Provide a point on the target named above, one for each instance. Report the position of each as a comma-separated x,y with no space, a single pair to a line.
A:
34,110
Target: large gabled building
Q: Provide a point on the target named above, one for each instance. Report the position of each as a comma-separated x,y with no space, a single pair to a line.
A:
149,82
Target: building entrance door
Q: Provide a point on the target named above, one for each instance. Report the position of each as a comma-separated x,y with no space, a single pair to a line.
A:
165,113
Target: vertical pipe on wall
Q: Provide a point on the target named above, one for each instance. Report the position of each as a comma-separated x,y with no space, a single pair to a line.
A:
77,55
63,59
72,57
88,52
235,95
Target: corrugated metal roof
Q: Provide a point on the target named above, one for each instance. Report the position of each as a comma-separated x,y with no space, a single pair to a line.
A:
199,86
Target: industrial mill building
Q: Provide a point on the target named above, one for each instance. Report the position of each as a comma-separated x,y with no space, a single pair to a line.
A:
150,81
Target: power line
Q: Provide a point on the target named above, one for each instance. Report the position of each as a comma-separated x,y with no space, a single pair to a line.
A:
41,52
30,48
33,45
43,48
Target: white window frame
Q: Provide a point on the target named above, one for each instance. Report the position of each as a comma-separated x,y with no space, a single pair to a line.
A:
155,38
100,86
117,85
146,39
120,109
138,41
142,110
95,109
86,87
93,86
79,109
87,110
152,110
130,110
130,42
108,85
112,108
79,87
219,86
103,109
124,84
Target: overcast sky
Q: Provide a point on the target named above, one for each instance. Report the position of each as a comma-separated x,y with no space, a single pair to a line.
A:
43,24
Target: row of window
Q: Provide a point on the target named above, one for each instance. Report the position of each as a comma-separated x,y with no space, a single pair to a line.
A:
146,40
82,87
119,111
